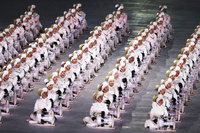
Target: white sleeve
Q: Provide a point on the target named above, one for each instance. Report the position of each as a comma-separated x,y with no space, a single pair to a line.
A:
14,81
9,87
1,94
21,75
151,113
92,111
111,98
106,109
65,85
31,63
48,107
26,68
166,113
36,107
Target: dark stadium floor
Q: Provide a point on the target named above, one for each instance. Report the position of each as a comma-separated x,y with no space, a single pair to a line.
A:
184,19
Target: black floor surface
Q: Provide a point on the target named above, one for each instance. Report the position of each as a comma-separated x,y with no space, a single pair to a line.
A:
184,18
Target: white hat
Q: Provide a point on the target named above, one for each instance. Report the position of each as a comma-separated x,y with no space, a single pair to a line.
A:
126,48
121,65
85,46
88,38
9,66
104,85
106,23
109,20
78,5
120,7
46,81
183,57
194,37
130,49
175,61
91,41
4,74
26,16
1,35
12,26
95,32
161,14
161,87
131,55
164,7
118,12
139,38
159,98
151,27
110,16
41,91
64,12
114,71
123,58
180,61
172,73
49,83
79,52
40,40
135,42
18,21
169,80
97,95
7,30
68,14
50,30
74,57
186,49
161,81
143,34
61,70
54,75
55,26
117,5
191,44
177,68
29,50
198,32
160,19
23,56
62,19
17,60
73,10
111,78
33,6
43,35
33,45
67,63
146,30
29,13
154,23
171,67
99,28
167,71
